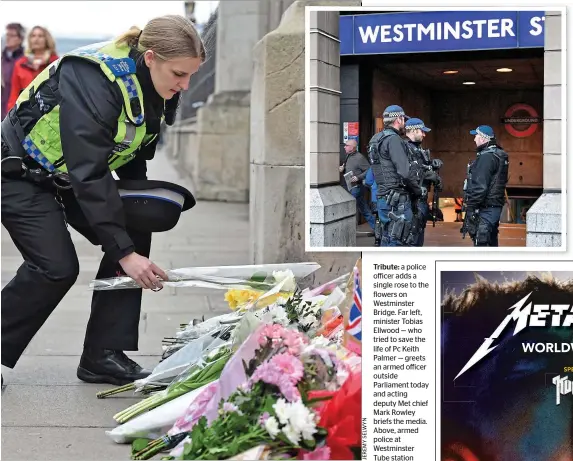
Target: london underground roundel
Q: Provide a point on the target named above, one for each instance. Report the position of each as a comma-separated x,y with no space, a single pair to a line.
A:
521,120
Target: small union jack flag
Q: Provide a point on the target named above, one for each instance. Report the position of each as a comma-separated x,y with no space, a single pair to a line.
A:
355,316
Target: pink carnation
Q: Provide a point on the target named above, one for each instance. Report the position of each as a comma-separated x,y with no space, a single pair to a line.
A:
290,366
290,391
280,336
273,331
294,340
270,373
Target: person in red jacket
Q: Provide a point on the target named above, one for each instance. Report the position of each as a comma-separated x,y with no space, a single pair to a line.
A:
40,53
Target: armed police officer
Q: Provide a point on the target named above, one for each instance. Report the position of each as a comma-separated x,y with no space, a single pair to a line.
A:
396,185
426,171
485,189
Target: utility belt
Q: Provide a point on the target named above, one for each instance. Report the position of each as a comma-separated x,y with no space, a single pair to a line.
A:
15,162
399,228
397,198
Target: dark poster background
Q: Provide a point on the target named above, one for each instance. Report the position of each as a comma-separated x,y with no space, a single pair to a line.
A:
456,282
504,407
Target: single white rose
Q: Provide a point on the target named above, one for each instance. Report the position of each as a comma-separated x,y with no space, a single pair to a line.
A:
288,276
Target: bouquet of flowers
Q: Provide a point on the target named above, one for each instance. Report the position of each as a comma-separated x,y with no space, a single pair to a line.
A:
272,379
273,407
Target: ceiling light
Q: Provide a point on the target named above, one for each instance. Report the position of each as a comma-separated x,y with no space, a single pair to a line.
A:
451,71
505,69
469,83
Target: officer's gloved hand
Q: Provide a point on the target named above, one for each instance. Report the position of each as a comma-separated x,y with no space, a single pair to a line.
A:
424,191
439,185
437,164
471,222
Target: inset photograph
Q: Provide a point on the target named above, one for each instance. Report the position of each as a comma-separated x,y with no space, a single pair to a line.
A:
435,128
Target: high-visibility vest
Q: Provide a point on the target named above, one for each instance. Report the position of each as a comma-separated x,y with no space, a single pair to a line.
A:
43,142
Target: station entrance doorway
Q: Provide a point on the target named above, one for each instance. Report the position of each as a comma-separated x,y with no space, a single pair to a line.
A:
453,93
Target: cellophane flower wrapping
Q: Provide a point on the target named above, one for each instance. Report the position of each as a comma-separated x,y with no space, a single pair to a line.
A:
249,277
194,377
154,423
169,369
269,401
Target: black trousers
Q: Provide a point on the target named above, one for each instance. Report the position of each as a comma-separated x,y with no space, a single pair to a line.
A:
36,223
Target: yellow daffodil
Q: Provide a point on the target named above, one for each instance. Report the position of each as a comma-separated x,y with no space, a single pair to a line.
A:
244,298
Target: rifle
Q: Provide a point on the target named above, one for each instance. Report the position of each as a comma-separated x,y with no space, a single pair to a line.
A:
436,165
464,229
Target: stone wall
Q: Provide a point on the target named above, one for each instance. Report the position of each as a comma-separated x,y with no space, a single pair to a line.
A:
332,208
180,144
277,195
219,165
219,159
544,217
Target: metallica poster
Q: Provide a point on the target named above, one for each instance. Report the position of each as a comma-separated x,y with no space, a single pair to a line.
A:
506,367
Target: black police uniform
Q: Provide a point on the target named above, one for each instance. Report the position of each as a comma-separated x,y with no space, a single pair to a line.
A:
396,185
419,161
485,193
37,221
424,171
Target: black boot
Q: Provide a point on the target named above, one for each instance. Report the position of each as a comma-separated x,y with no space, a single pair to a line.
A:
109,366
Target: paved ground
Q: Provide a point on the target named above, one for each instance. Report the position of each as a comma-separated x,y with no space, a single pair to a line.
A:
447,234
47,413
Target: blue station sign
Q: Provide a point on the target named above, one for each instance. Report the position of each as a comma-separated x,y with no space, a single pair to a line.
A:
433,31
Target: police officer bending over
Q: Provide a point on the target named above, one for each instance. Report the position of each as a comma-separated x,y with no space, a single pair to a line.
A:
95,110
424,169
485,189
396,185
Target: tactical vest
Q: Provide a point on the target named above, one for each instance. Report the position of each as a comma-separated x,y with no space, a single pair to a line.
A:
417,161
496,193
420,158
385,173
42,143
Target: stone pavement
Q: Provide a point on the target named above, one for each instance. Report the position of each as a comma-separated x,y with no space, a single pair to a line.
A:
447,234
47,413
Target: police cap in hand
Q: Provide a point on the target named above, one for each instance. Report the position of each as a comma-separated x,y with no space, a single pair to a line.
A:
153,206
